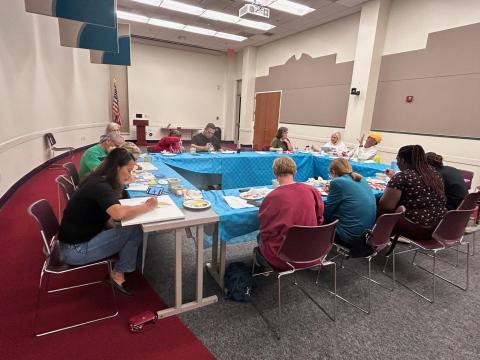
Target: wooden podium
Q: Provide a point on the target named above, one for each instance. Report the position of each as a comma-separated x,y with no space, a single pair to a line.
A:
141,124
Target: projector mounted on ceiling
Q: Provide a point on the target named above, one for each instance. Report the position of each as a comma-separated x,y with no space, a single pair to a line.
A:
254,9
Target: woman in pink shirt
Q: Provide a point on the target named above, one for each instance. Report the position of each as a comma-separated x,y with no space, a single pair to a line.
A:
169,143
290,204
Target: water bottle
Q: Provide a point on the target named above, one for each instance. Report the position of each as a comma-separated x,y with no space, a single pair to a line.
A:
394,166
146,158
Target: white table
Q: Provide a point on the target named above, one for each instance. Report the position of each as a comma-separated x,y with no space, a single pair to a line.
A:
197,219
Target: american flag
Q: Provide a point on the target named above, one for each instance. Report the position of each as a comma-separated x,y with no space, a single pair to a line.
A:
115,106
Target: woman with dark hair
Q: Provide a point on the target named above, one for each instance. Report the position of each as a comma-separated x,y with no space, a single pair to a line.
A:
281,140
420,189
87,232
169,143
455,187
351,201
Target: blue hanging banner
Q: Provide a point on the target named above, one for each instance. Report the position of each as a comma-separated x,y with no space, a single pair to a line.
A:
97,12
87,36
122,57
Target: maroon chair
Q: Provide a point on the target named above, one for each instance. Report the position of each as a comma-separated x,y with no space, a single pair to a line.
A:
72,174
448,233
378,240
43,214
304,247
470,201
51,142
467,177
68,189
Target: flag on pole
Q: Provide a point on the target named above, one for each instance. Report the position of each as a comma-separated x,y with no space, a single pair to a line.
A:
116,106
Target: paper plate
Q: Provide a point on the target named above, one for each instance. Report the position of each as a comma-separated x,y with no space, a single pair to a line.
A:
197,204
248,196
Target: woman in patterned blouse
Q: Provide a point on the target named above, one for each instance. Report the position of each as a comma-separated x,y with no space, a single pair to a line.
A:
419,188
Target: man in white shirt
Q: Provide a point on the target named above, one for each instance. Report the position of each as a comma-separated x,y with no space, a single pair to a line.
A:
367,150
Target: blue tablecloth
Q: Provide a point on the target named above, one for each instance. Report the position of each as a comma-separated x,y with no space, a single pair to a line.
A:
239,225
238,170
321,164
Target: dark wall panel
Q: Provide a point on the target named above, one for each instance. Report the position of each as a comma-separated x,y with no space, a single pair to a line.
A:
315,91
444,79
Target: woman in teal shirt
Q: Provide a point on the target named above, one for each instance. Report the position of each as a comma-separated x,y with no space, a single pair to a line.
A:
351,201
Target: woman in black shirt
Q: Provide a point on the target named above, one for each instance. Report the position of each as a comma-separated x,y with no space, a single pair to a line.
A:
87,232
455,187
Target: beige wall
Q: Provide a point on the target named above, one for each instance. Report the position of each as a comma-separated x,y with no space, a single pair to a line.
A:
408,25
176,87
44,88
337,37
334,38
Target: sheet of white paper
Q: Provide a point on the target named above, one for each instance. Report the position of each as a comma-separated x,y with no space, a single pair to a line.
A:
161,213
147,166
137,187
262,152
236,203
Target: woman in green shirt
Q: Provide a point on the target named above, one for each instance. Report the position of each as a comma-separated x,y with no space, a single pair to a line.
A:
281,140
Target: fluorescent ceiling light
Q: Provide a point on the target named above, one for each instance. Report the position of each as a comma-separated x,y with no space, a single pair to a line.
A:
185,8
166,24
131,16
255,24
230,36
149,2
217,15
290,7
199,30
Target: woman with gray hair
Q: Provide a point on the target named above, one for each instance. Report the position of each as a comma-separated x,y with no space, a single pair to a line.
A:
113,128
335,144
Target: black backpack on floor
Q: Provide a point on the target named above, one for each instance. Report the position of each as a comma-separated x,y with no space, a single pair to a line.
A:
238,281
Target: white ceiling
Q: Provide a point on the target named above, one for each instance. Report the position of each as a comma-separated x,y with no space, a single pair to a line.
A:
285,24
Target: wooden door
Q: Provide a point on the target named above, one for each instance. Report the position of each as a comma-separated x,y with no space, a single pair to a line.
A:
267,110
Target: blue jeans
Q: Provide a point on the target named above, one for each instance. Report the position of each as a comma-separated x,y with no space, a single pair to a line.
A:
122,240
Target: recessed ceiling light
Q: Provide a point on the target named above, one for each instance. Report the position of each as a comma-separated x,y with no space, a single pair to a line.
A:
149,2
166,24
230,36
131,16
255,24
291,7
199,30
217,15
185,8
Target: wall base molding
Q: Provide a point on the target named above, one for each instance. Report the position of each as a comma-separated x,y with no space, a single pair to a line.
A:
8,194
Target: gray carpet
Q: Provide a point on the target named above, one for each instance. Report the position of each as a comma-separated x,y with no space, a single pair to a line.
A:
401,325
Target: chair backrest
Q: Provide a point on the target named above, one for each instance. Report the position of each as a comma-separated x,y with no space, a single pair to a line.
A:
467,177
43,214
50,139
383,228
67,187
72,173
305,244
470,201
451,228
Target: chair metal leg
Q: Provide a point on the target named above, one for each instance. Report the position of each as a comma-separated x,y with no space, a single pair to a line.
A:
467,273
109,266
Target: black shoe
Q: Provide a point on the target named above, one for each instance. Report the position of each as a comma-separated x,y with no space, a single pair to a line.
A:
122,288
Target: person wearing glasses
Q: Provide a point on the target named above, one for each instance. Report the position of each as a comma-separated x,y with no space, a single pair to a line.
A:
206,140
93,156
